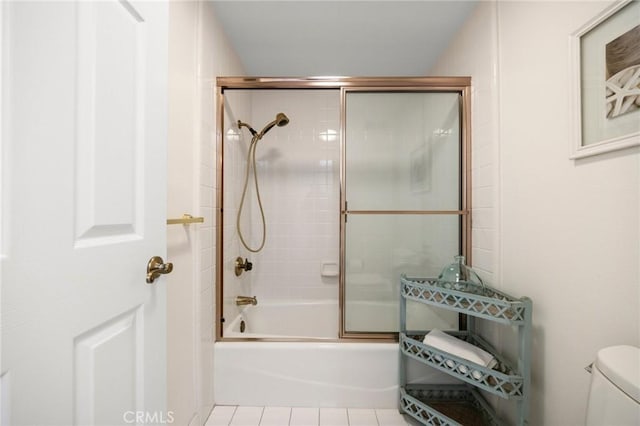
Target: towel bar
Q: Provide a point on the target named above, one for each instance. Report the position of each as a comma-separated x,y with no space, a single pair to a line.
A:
185,220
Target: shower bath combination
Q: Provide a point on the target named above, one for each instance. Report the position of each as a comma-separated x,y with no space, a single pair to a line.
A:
370,141
280,121
343,145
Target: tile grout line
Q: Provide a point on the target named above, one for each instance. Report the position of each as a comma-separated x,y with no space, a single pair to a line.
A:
261,416
233,415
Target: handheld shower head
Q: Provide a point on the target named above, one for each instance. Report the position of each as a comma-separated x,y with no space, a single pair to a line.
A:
280,121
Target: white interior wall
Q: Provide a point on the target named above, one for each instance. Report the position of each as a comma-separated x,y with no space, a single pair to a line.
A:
4,415
199,51
182,371
549,227
217,58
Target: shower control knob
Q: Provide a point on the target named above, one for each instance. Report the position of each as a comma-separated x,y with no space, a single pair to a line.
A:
242,265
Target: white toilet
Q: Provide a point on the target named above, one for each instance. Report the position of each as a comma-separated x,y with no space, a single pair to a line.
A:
614,395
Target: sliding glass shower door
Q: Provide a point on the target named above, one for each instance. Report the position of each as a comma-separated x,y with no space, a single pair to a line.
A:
368,180
403,202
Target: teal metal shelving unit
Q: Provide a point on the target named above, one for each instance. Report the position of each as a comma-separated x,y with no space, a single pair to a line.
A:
463,404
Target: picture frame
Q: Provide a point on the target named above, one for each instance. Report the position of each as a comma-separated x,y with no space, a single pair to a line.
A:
605,71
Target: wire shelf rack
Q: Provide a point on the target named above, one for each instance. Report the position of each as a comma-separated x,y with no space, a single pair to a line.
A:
482,302
447,405
500,380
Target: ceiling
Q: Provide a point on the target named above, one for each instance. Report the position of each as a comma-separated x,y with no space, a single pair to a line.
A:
340,38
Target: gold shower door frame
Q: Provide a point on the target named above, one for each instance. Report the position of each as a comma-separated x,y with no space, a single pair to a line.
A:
460,85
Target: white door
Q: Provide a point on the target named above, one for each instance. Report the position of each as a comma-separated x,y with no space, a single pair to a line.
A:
83,206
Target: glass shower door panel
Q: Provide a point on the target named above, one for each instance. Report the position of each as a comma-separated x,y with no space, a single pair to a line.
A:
403,151
403,203
378,249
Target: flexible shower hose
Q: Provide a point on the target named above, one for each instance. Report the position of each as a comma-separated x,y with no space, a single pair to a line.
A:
251,162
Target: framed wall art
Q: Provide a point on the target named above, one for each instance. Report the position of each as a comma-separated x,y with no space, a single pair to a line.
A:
606,81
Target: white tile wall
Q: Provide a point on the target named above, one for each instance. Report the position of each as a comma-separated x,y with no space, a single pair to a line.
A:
477,63
215,57
299,185
236,143
478,43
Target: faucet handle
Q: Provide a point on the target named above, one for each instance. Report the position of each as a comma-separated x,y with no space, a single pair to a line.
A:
242,265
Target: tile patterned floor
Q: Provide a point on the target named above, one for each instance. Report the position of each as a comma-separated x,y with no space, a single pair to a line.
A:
227,415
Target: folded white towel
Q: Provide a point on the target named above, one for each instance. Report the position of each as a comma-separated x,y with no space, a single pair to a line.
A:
461,349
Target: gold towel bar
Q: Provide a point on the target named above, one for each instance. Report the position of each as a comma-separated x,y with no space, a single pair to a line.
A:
185,220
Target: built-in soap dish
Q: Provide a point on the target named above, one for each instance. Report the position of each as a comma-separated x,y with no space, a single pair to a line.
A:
329,269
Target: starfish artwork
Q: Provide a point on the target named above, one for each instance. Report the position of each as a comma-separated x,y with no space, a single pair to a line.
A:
623,74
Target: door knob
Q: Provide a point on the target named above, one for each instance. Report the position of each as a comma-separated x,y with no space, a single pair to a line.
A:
157,267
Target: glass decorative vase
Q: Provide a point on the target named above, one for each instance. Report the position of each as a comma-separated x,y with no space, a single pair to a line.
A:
459,276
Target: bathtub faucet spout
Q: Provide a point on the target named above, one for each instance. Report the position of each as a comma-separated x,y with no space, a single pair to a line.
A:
246,300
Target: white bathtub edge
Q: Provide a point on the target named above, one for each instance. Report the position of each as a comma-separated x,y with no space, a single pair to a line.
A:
306,374
312,374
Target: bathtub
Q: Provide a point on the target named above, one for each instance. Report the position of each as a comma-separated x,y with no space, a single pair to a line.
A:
284,319
318,319
321,373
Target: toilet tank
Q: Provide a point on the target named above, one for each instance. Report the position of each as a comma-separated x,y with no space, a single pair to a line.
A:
614,394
